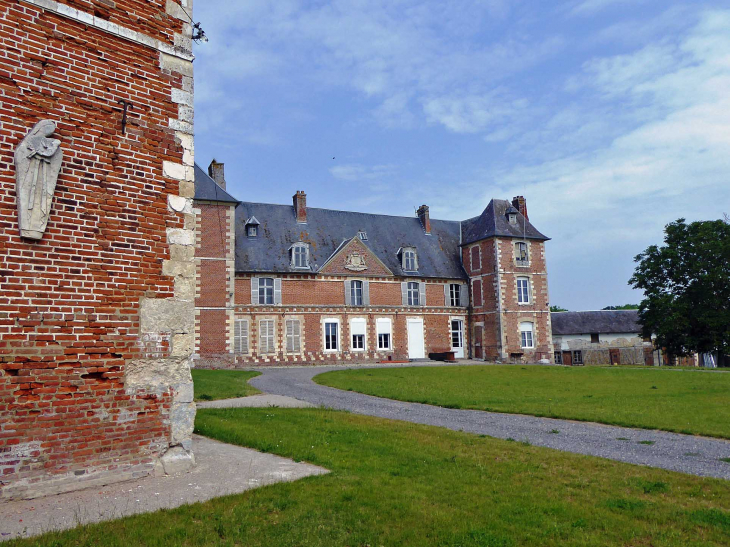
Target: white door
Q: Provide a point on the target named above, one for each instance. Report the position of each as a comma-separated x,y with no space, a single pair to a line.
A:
416,347
457,338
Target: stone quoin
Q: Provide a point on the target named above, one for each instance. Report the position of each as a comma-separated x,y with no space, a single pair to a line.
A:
97,284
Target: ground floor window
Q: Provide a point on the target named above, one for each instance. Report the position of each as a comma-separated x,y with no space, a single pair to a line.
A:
526,335
240,336
558,358
357,331
577,357
293,336
384,330
331,335
266,336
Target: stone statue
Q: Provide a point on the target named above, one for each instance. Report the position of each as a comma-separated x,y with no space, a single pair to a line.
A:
37,164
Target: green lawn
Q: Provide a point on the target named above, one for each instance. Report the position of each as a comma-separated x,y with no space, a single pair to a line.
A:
401,484
696,402
210,385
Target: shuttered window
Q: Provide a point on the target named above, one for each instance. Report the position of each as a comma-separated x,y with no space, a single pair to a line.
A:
240,336
266,336
266,290
293,336
413,294
455,294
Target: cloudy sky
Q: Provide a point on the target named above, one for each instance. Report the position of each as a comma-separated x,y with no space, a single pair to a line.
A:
611,116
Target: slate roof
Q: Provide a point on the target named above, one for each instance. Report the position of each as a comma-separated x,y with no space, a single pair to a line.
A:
439,255
493,222
601,322
206,188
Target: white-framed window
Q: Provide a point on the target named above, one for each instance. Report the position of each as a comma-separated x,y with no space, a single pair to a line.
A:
526,335
266,290
240,336
362,235
522,257
267,342
300,255
410,259
383,328
331,335
578,357
455,295
356,292
523,290
252,230
358,334
293,334
413,293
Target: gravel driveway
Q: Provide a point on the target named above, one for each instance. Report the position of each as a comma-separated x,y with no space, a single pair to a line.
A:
684,453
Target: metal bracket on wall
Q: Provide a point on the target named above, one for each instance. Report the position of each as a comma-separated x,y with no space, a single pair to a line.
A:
125,105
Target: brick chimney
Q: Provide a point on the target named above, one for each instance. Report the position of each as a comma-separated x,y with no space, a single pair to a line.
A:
216,171
425,218
300,206
520,203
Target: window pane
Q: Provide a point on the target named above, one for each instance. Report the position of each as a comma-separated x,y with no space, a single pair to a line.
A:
266,290
413,294
356,293
330,336
455,291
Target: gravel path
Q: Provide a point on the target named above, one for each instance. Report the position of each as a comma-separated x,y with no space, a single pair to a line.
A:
684,453
264,400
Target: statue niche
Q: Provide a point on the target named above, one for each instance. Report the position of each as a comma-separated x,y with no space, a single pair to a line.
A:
37,165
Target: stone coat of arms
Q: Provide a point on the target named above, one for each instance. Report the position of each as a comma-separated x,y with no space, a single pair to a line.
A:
37,164
355,262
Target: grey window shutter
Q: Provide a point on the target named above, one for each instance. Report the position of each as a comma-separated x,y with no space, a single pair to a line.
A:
422,294
348,293
277,290
404,292
447,294
464,296
366,293
254,290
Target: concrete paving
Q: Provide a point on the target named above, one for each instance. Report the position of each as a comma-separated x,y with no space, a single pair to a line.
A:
221,469
684,453
265,400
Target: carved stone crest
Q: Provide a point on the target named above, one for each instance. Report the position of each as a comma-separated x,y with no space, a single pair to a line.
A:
355,262
37,164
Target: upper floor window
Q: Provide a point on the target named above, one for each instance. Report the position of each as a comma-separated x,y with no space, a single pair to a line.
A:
362,235
521,256
455,294
252,231
300,255
526,335
413,294
356,295
523,290
266,290
410,260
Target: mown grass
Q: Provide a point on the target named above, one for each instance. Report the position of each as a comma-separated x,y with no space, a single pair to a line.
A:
694,402
402,484
209,385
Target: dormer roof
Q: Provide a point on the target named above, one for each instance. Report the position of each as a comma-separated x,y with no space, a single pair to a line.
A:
493,222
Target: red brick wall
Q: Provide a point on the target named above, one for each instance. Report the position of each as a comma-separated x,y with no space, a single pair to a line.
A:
69,303
213,333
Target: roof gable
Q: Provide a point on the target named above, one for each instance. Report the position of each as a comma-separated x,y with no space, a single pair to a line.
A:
353,257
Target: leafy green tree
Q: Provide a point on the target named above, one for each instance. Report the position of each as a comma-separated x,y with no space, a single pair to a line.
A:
624,307
557,308
686,284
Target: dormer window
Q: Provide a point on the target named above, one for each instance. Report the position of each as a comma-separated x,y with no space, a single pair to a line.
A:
300,255
252,227
362,235
410,259
512,215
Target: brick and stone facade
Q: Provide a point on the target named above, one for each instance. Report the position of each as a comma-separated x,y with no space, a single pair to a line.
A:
241,246
97,317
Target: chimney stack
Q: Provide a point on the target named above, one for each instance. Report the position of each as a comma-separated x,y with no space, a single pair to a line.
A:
216,171
300,206
425,218
520,203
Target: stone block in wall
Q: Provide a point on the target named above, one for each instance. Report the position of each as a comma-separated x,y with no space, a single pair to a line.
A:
166,315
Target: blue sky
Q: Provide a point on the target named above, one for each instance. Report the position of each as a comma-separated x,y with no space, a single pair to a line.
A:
612,117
